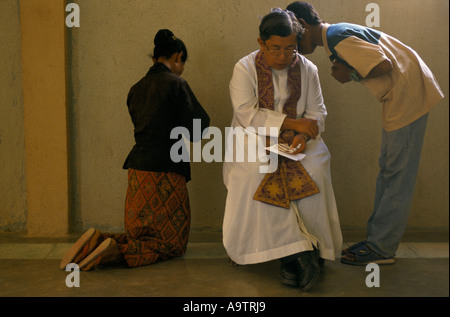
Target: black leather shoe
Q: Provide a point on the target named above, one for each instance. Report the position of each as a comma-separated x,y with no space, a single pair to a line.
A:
308,268
321,262
289,273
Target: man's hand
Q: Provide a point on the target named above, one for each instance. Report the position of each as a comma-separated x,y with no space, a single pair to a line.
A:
299,143
302,125
340,72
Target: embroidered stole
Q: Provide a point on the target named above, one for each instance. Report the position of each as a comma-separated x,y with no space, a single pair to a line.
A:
290,181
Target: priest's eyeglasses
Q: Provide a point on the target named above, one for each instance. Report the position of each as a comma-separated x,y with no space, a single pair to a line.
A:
276,52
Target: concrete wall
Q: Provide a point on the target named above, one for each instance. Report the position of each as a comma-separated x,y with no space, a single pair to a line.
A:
13,211
108,53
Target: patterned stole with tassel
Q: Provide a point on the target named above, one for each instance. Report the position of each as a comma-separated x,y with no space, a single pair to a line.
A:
290,181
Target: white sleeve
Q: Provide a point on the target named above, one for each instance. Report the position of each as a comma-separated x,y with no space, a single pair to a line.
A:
244,98
315,108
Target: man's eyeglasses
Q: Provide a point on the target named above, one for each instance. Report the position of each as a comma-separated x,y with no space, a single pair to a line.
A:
276,52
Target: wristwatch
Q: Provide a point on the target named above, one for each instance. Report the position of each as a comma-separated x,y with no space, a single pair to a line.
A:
306,137
354,76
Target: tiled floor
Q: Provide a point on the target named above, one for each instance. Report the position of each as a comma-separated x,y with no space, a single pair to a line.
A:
30,267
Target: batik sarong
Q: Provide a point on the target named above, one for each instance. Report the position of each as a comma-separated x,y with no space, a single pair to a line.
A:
157,218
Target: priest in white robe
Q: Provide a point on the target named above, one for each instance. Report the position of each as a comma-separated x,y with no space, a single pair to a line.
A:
256,231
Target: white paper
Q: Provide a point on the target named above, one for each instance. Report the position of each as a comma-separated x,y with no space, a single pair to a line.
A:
296,157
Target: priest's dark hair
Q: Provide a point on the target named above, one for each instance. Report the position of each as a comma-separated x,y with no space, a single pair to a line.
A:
281,23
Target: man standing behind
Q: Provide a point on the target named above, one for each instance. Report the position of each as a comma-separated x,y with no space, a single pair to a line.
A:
396,75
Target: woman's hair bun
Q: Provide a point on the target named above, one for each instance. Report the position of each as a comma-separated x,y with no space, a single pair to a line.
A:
166,44
163,37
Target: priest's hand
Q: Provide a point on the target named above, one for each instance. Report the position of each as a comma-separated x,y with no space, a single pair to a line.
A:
299,143
303,125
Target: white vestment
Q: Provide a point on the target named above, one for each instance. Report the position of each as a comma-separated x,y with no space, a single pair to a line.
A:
254,231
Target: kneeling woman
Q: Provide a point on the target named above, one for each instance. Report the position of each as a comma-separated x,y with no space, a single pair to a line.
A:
157,211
